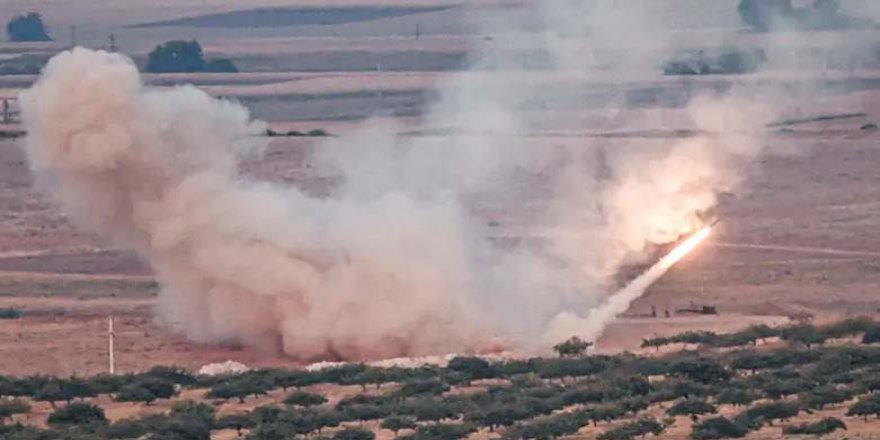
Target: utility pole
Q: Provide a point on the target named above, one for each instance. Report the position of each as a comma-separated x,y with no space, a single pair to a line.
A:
111,335
72,36
112,43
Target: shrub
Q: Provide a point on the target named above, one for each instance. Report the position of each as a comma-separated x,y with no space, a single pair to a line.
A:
755,417
638,428
691,407
736,396
444,431
10,313
181,429
193,411
417,387
238,422
865,406
82,414
824,426
717,428
396,423
301,398
819,397
220,65
472,368
173,375
135,393
805,334
354,434
702,370
872,335
9,408
27,27
176,56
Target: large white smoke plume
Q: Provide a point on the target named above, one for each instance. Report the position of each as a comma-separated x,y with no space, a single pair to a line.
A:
401,258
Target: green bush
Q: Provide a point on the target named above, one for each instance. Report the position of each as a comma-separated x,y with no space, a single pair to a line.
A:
396,423
423,387
872,335
736,396
8,408
824,426
11,313
135,393
443,431
691,407
804,334
78,413
354,434
826,395
220,65
301,398
717,428
27,27
755,417
630,430
866,406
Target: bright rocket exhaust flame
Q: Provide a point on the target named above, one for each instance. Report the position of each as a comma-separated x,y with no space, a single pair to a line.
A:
685,248
590,328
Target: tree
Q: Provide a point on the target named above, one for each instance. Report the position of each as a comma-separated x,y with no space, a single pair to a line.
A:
27,27
472,368
628,431
866,406
185,57
175,375
9,408
79,413
717,428
54,391
872,335
304,399
354,434
238,422
194,411
819,397
396,423
736,396
176,56
702,370
444,431
824,426
691,407
135,393
427,386
805,334
573,347
767,412
160,388
220,65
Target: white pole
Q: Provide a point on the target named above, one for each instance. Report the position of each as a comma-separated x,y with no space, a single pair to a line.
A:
111,335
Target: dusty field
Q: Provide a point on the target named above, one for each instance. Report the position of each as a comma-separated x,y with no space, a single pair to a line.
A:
798,238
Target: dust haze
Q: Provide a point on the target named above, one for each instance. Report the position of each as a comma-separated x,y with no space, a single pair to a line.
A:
399,259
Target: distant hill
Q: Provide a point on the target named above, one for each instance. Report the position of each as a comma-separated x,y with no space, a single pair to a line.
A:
301,16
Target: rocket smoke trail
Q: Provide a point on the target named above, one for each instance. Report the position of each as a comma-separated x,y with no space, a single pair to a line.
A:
591,327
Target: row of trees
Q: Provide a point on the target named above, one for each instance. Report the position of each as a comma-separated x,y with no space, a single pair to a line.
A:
769,385
801,334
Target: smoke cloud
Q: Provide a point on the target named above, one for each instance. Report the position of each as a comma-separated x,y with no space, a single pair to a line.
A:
429,244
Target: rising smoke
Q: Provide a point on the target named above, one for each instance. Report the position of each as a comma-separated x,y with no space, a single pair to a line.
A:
401,259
